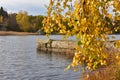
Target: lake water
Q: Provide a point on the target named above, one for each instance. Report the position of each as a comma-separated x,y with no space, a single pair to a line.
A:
19,60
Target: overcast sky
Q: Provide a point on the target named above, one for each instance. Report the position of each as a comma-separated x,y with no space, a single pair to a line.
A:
33,7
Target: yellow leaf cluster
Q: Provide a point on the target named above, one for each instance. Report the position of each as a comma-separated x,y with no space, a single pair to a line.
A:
90,22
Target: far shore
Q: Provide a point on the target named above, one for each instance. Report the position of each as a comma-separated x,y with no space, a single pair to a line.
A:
5,33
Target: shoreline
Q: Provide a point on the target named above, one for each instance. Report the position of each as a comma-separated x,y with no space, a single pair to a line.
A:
6,33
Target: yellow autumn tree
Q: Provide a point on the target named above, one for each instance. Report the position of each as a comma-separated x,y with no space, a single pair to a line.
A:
90,21
1,19
23,21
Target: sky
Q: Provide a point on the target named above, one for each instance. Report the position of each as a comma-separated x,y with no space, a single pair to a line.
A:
33,7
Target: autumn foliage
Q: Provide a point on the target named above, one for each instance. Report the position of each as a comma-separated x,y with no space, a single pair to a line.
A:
90,21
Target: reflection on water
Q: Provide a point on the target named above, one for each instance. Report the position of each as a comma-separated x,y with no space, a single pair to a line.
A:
19,60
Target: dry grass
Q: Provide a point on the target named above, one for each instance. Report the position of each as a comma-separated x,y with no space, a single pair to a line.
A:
2,33
110,72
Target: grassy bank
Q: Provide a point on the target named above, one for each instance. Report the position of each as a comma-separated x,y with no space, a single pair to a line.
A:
109,72
4,33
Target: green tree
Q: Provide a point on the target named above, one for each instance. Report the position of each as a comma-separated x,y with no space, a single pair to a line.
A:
39,23
36,22
89,21
3,13
4,18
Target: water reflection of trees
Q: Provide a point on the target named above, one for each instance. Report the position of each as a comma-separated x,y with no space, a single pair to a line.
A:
55,55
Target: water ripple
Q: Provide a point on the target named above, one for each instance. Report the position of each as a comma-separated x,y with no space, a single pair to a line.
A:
19,60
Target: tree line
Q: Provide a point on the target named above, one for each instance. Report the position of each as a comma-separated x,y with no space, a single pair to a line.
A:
21,21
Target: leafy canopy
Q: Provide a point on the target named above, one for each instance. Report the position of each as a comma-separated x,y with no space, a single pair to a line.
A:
90,21
23,21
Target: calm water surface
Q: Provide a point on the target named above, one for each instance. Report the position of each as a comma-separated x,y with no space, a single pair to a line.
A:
19,60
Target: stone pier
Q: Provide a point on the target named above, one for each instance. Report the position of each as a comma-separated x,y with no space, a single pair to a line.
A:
66,46
59,46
